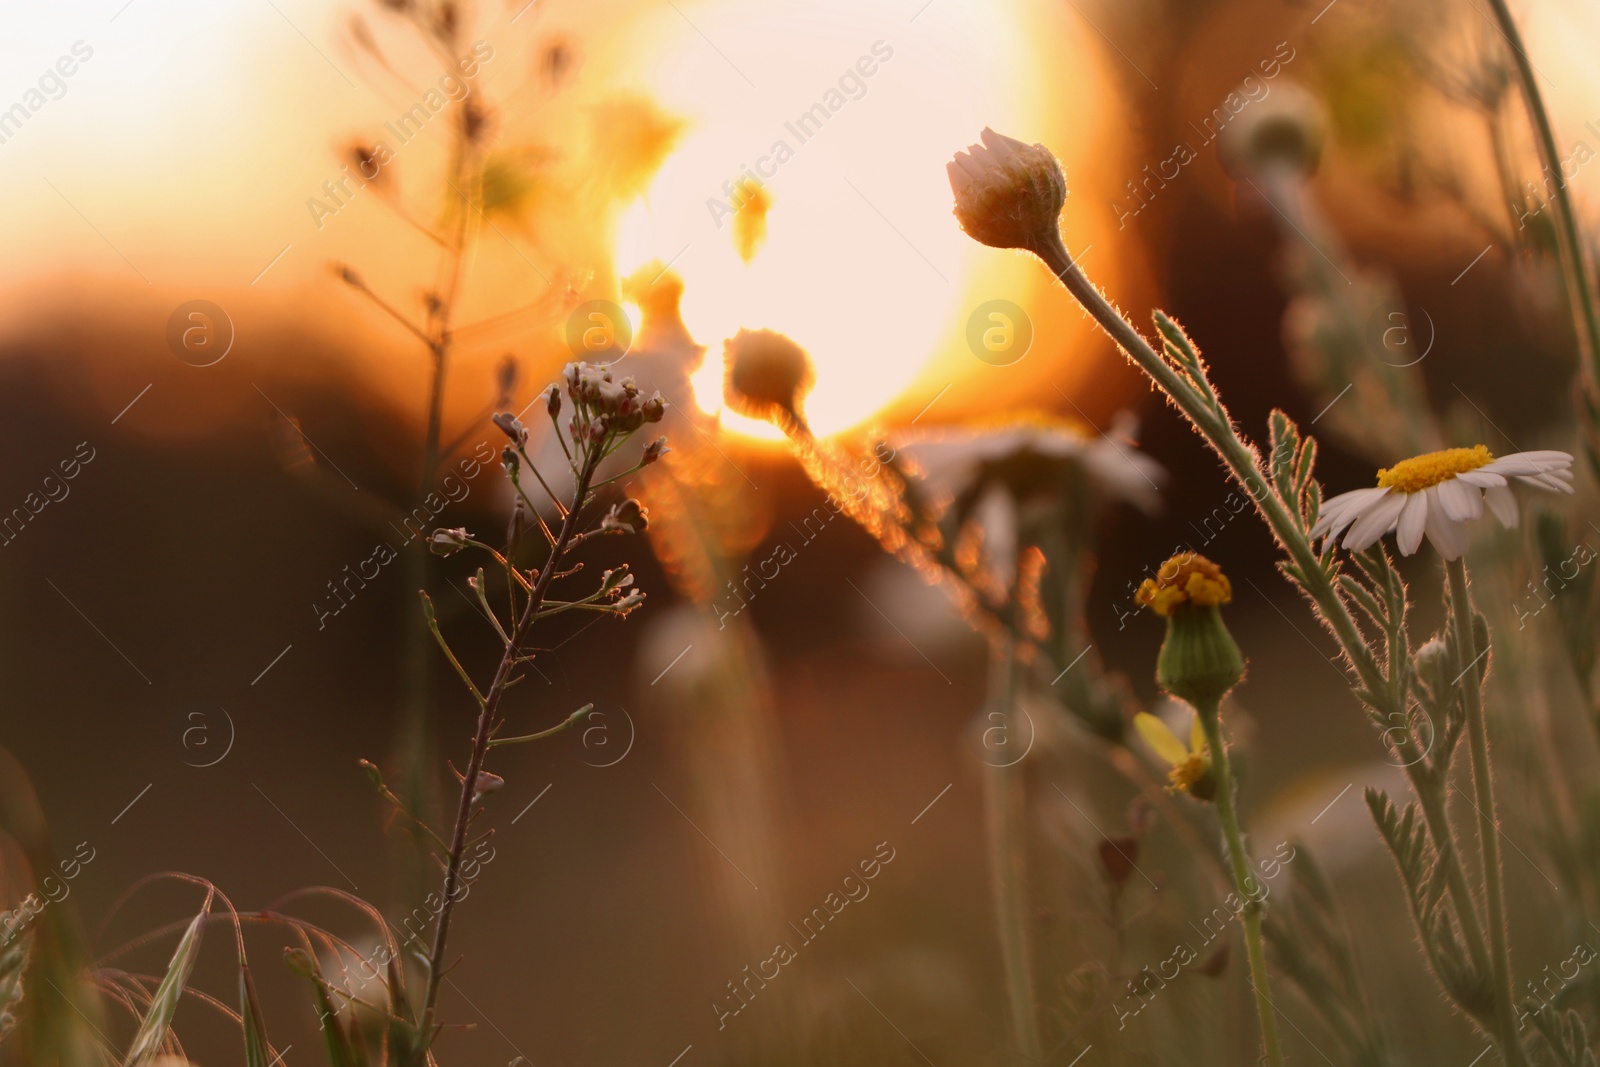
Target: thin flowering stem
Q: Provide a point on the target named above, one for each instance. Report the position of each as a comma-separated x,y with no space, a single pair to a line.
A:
1488,822
1244,884
481,742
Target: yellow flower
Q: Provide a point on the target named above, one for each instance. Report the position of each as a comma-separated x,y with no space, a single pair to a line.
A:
1190,767
1186,578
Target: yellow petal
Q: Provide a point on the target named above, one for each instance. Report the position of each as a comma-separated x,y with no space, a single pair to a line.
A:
1197,736
1160,739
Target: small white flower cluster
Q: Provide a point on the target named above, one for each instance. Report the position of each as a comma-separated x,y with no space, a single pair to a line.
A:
607,411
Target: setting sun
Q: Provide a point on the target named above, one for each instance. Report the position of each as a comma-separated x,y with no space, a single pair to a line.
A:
844,133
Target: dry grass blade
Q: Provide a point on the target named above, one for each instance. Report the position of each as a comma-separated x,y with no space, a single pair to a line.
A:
152,1033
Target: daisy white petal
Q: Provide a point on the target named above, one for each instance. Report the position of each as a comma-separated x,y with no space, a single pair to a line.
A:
1481,478
1413,519
1340,511
1546,481
1448,538
1374,522
1529,463
1503,503
1461,503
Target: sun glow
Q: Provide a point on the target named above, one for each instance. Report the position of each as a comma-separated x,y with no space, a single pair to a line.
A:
845,114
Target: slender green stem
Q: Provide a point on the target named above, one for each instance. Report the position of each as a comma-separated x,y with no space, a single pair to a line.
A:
1488,823
1244,884
1569,241
1006,816
1239,457
1436,816
575,717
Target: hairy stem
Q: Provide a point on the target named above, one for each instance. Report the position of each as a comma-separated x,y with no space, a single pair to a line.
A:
1239,457
1488,823
1244,884
1006,816
1574,262
480,742
1214,426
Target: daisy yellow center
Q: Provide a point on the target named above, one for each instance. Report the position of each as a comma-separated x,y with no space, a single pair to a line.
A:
1426,471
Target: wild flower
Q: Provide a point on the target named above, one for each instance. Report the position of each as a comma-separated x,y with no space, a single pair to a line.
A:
1200,664
606,413
1439,493
1190,764
949,461
1469,953
1007,191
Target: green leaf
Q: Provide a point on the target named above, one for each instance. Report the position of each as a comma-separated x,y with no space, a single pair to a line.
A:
255,1034
164,1004
339,1052
405,1044
13,964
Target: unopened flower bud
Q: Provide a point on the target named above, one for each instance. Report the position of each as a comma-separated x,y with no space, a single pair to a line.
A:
654,408
629,602
629,515
1009,194
487,783
1285,130
512,461
552,401
654,450
768,376
511,426
447,542
615,579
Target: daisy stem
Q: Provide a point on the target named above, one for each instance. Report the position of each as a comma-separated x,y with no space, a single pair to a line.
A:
1488,823
1240,458
1006,815
1244,884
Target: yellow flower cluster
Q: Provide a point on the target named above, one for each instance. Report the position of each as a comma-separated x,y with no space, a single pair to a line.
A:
1185,776
1186,578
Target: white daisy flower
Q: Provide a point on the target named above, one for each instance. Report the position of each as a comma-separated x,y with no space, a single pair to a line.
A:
1438,494
950,460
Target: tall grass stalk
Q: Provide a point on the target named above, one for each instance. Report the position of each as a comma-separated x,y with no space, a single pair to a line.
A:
1006,817
1575,265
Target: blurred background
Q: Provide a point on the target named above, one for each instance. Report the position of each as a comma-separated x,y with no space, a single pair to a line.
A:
208,258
